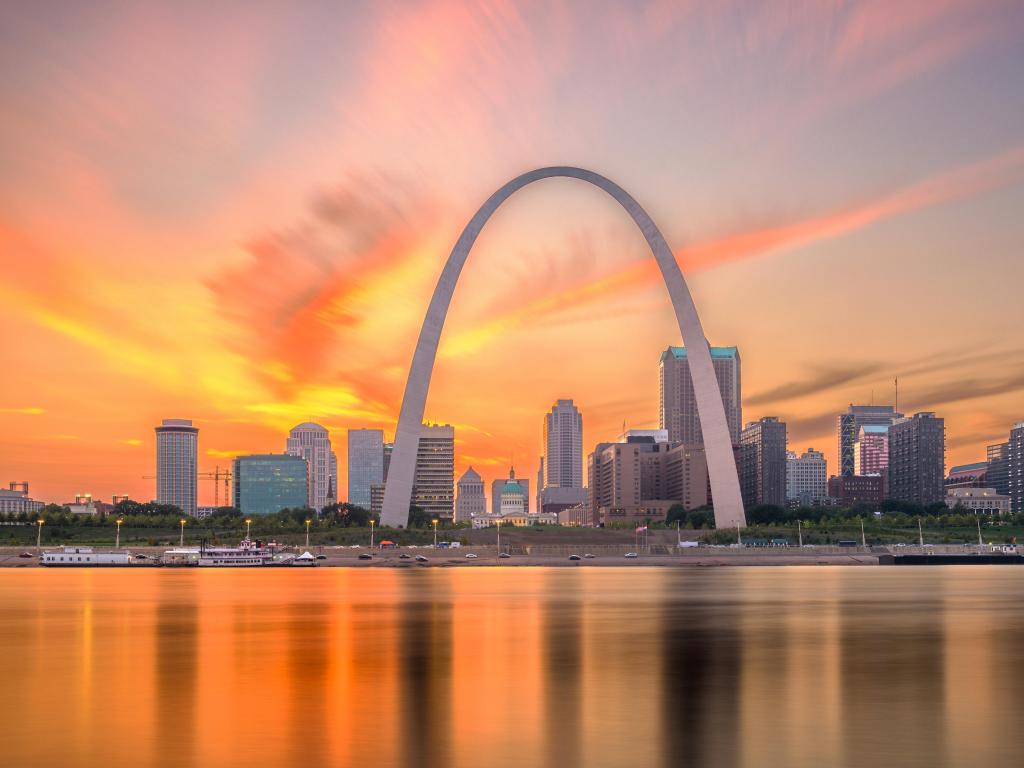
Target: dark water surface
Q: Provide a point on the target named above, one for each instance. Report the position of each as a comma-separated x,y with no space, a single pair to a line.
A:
800,666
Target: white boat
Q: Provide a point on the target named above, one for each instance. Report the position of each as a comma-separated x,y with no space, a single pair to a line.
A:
249,554
76,557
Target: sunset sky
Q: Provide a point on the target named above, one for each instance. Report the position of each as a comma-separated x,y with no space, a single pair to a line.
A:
236,213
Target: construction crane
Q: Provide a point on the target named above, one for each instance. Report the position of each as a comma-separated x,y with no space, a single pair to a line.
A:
218,474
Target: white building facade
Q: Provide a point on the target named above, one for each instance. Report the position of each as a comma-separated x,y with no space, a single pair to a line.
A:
806,477
313,443
986,500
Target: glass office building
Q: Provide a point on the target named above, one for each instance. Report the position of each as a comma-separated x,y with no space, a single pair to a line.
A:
267,483
365,464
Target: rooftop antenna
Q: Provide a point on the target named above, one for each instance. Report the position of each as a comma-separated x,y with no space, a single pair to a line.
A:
896,407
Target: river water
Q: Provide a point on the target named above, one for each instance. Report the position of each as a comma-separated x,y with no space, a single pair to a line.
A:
798,666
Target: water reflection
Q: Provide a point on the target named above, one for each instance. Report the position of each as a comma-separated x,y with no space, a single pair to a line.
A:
175,637
513,667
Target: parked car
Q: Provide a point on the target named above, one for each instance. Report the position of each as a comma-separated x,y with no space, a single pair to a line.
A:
405,556
365,556
504,554
589,556
471,556
575,557
421,559
632,554
321,557
26,554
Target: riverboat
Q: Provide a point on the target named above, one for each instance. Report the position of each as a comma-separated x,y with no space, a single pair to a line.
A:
248,554
78,557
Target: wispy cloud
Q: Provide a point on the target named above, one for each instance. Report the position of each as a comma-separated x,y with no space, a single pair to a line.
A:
815,381
962,182
26,411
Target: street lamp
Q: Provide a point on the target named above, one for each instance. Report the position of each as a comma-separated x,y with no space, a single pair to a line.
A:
308,521
372,522
499,535
435,532
248,527
39,533
117,542
181,542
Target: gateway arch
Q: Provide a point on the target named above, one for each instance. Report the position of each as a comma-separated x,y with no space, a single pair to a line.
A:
725,485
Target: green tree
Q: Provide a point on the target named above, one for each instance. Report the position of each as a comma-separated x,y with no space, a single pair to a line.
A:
677,512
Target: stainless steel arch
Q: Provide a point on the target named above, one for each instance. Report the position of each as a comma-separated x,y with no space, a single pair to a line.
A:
717,442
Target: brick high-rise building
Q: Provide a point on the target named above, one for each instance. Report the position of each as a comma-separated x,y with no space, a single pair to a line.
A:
917,459
641,478
762,466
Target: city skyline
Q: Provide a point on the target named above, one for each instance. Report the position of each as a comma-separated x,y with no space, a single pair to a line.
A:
233,264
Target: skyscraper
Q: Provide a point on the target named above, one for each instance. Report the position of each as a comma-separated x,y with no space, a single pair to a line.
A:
365,464
313,443
177,448
560,479
997,475
563,446
433,485
470,501
763,462
917,459
678,410
267,483
848,428
1015,467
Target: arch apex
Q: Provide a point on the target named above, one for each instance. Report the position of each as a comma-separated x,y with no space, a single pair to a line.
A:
728,503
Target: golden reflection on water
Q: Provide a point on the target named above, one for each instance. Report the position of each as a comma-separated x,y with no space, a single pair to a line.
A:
479,667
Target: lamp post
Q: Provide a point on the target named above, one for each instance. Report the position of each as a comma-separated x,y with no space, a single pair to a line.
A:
372,522
920,534
977,519
435,532
39,533
308,521
800,532
863,541
181,541
499,536
248,527
117,541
